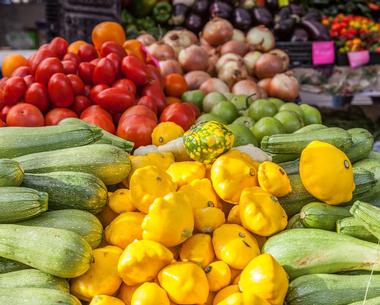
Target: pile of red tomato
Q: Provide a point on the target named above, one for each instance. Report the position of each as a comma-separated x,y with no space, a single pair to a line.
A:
111,83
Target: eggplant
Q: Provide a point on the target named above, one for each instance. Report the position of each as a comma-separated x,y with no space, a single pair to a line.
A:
313,15
272,5
178,14
297,9
316,30
242,19
300,35
200,7
284,13
283,28
221,9
261,15
194,22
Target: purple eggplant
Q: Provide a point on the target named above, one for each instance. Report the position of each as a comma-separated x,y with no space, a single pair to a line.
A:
297,9
283,28
299,35
200,7
242,19
262,16
178,14
221,9
316,30
194,22
313,15
284,13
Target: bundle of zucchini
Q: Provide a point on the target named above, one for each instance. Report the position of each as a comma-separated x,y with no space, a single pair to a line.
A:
52,181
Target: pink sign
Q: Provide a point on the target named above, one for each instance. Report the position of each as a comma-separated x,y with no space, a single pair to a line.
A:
359,58
323,53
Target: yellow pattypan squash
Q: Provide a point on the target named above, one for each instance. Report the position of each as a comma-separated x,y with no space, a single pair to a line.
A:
234,245
147,184
106,216
102,277
126,292
186,171
198,249
170,220
231,173
185,283
261,213
234,215
218,275
124,229
266,278
239,298
208,219
106,300
200,193
149,294
225,293
121,201
142,260
165,132
326,173
273,179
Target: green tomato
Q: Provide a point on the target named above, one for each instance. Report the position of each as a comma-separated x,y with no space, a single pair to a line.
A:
292,107
311,114
276,101
291,120
262,108
243,135
245,120
207,117
211,100
266,127
226,111
195,97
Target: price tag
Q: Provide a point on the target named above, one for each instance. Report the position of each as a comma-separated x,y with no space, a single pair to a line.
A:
323,53
359,58
282,3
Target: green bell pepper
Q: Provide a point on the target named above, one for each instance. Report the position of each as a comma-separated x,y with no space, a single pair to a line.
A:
162,12
146,23
142,8
127,17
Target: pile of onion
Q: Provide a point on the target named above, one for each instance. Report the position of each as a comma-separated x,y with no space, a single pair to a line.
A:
284,86
194,58
217,31
268,65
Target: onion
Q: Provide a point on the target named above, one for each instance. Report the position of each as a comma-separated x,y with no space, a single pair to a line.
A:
250,60
264,84
146,39
284,57
232,72
195,79
261,38
238,35
268,65
225,59
235,47
194,58
161,51
212,60
214,84
217,31
246,87
170,66
284,87
179,39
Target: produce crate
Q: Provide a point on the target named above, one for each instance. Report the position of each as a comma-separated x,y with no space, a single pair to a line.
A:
300,53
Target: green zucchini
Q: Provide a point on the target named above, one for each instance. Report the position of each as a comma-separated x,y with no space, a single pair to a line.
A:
11,174
83,223
57,252
372,301
291,167
32,278
36,296
8,265
107,137
311,127
295,143
369,215
355,228
309,251
374,155
19,203
295,222
70,190
107,162
332,289
279,158
373,166
19,141
362,144
322,216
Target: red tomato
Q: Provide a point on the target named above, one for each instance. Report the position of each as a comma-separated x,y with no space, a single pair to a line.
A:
155,74
139,110
25,115
116,61
127,85
116,118
180,114
154,90
69,67
4,113
2,124
81,103
59,46
85,70
96,90
136,128
87,89
37,95
14,90
73,57
112,47
95,110
95,61
61,92
104,72
149,102
22,71
115,100
29,79
54,116
76,83
87,52
47,68
96,115
134,69
193,108
39,56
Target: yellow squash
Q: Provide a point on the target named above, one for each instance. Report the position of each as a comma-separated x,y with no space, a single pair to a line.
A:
147,184
265,278
124,229
208,219
126,292
121,201
326,173
218,275
225,293
165,132
185,282
198,249
170,220
273,179
231,173
142,260
106,300
150,294
186,171
101,278
261,213
234,245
